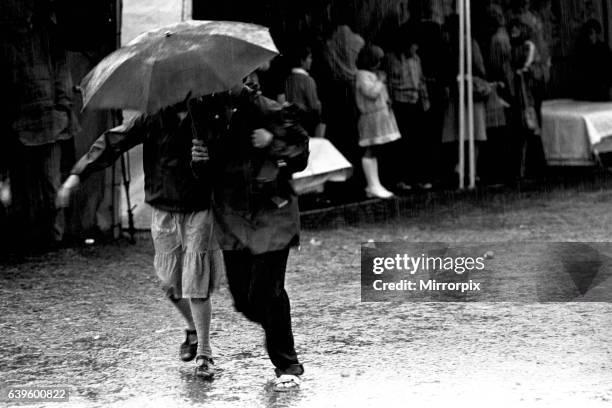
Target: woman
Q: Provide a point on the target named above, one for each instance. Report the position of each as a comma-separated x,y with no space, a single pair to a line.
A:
481,93
526,65
187,257
500,75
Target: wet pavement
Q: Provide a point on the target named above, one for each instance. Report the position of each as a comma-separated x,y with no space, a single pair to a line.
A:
93,319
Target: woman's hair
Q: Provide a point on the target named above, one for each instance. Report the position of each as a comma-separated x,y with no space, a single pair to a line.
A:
369,57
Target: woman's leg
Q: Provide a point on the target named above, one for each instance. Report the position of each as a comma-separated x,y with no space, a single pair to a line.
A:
184,309
166,231
201,310
197,281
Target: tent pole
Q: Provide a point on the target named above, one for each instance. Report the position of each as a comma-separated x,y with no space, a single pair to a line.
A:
470,94
461,104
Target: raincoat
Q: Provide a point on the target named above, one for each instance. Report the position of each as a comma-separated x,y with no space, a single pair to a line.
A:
255,205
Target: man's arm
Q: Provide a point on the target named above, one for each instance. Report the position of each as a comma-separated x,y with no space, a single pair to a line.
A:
103,153
284,139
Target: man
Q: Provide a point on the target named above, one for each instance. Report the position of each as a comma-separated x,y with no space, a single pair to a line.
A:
187,259
256,148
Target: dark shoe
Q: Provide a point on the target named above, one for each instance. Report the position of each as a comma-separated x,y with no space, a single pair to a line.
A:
205,367
188,350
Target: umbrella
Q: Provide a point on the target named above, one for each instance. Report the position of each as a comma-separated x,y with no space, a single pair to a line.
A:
161,67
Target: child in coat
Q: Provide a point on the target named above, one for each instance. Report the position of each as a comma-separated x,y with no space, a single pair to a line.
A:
377,125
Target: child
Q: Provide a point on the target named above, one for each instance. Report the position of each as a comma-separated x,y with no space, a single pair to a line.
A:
377,125
410,98
301,90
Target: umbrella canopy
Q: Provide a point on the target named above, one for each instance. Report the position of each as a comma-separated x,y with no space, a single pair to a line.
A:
161,67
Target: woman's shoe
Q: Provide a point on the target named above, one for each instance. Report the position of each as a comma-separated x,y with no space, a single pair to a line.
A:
188,349
378,193
205,367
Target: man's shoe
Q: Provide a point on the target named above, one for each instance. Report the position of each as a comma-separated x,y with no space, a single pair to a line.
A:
188,350
205,367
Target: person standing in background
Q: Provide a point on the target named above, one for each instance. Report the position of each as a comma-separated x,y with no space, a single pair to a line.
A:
433,54
481,91
377,125
498,56
338,97
521,10
527,125
37,122
301,90
593,65
410,98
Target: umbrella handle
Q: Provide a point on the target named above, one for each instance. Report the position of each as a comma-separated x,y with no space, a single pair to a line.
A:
197,167
194,132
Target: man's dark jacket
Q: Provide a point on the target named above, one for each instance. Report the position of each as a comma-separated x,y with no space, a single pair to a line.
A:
255,205
169,181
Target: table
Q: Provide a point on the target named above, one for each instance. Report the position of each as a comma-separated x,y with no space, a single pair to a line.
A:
574,133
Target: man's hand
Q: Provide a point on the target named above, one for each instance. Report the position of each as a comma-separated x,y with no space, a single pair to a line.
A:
5,193
261,138
65,191
199,152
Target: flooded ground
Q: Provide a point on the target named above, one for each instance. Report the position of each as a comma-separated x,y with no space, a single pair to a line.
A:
93,319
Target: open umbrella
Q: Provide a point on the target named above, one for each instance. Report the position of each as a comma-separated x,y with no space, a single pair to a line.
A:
161,67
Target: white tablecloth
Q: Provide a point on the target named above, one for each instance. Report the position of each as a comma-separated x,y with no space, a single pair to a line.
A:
572,131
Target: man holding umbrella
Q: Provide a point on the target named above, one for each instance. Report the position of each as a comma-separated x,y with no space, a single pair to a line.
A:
258,148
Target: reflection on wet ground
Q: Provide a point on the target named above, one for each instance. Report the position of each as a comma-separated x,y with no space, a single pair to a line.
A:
93,319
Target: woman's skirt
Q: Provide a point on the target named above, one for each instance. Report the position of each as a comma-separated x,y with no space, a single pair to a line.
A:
451,123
